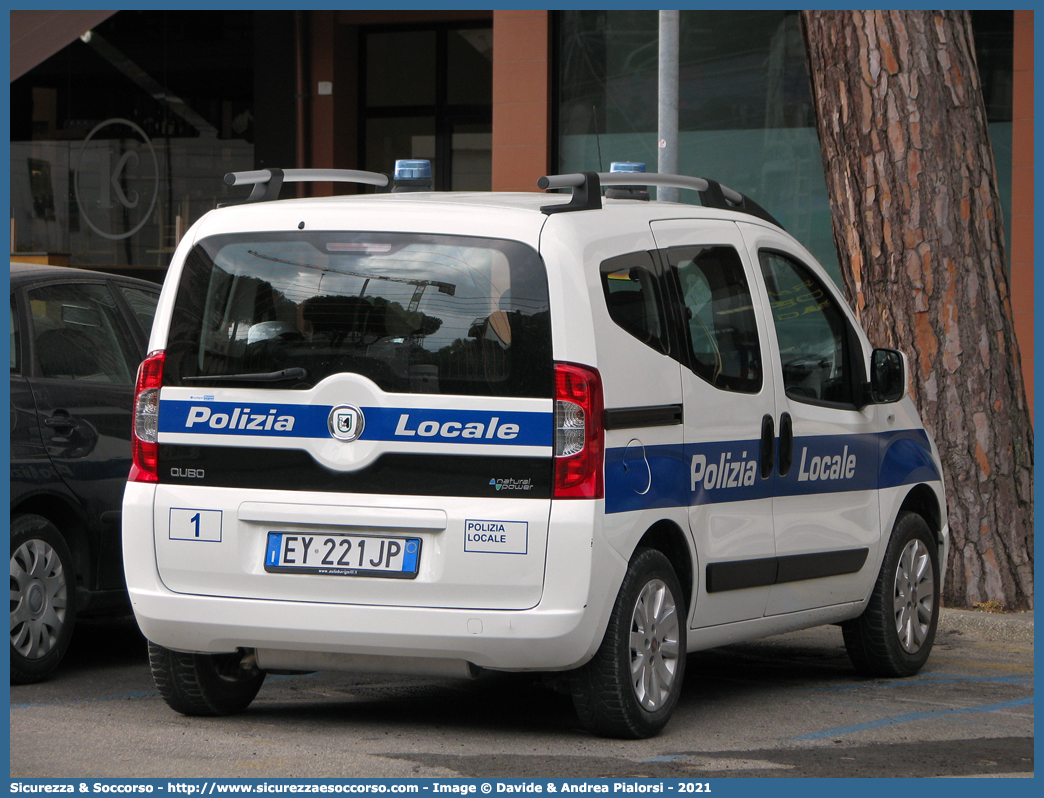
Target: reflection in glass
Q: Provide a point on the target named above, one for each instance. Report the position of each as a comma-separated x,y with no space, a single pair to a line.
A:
413,313
811,332
723,331
745,110
77,335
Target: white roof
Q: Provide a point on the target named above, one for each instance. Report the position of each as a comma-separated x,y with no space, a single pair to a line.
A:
510,215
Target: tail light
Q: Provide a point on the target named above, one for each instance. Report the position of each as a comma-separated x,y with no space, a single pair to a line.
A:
145,436
579,433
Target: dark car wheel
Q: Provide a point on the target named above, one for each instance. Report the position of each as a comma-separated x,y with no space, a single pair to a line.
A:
43,598
203,684
631,686
895,633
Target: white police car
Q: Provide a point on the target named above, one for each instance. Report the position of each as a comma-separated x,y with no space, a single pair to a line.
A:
434,433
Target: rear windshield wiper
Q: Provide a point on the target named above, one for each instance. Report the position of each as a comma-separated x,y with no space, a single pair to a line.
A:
296,373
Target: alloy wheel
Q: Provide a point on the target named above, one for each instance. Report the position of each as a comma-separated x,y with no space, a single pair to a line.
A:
914,595
654,645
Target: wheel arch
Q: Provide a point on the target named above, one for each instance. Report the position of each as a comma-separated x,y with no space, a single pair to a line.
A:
923,501
668,538
70,523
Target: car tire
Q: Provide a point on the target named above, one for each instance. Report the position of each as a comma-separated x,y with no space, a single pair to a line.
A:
894,635
630,687
43,598
203,684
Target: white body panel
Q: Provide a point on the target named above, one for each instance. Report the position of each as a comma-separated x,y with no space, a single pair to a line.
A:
451,574
561,631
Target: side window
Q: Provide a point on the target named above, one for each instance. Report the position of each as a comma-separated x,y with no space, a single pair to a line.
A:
143,304
16,366
632,295
723,330
77,334
812,332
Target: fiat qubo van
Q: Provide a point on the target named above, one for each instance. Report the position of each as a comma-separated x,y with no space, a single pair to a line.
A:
440,433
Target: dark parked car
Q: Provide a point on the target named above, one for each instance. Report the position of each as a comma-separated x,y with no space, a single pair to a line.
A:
76,340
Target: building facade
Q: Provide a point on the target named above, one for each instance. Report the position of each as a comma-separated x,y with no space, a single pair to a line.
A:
122,124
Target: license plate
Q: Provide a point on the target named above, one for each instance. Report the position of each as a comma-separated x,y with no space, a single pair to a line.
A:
342,555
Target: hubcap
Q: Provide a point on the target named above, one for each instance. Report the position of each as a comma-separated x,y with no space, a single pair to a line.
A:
914,596
38,599
654,645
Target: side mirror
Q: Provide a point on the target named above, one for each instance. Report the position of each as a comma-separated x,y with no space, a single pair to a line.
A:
887,376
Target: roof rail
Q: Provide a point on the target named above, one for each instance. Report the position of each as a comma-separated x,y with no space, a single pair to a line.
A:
586,188
267,182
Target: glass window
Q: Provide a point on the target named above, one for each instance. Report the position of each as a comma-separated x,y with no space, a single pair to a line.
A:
120,138
994,55
723,331
469,66
745,113
812,332
16,367
399,68
77,335
633,298
143,305
413,313
427,93
471,159
390,138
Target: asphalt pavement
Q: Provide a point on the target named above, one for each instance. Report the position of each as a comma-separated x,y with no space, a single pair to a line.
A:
786,706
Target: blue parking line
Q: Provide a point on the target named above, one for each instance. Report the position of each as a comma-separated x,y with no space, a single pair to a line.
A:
666,758
876,724
940,678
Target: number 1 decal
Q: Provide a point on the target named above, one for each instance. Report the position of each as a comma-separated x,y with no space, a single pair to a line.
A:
193,524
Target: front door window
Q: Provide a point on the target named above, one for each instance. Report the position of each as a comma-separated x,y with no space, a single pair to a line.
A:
812,333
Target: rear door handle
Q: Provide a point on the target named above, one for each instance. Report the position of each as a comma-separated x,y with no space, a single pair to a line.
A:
786,443
768,440
60,419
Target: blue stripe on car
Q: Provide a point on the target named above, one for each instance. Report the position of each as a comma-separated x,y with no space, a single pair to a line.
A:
684,475
504,428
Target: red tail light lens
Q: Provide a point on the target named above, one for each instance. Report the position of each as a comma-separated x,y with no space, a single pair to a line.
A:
145,435
579,433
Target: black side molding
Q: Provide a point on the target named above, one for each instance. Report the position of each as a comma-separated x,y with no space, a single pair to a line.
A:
797,567
741,574
722,576
635,417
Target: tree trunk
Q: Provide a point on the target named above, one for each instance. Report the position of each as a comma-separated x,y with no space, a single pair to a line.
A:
918,230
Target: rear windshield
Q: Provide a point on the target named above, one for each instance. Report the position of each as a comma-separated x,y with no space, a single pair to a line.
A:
413,313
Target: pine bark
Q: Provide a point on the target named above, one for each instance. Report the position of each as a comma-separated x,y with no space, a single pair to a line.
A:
918,229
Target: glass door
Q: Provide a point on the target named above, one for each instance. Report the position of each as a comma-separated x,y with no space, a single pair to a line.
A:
427,92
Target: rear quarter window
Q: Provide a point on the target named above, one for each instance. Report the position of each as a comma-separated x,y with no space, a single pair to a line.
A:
632,295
